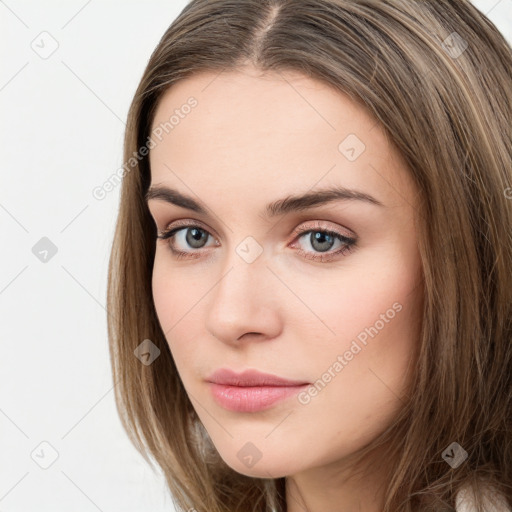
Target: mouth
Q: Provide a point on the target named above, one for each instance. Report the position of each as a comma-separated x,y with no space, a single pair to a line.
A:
251,390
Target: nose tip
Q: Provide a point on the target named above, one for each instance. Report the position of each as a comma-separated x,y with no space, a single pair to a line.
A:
240,309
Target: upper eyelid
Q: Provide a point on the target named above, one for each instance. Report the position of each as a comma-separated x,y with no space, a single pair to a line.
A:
311,214
175,225
178,225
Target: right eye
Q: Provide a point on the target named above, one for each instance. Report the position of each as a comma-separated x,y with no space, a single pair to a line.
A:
186,236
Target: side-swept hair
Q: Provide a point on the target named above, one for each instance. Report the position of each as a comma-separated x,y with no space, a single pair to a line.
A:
437,75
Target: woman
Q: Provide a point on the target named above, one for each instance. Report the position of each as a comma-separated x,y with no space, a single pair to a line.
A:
309,287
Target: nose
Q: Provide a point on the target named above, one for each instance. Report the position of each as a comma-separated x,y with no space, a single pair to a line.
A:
244,303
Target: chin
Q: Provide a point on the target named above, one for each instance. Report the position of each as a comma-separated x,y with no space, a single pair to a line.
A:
270,467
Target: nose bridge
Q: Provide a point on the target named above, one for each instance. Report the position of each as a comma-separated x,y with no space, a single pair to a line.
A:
245,263
244,269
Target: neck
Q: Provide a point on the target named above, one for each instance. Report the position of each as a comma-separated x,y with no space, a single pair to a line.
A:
335,488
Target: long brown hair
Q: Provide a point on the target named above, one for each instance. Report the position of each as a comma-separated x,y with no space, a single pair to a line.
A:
437,75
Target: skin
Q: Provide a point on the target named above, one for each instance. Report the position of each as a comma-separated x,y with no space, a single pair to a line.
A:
254,138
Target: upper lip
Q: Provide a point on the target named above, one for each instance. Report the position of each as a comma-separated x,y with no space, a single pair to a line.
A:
250,378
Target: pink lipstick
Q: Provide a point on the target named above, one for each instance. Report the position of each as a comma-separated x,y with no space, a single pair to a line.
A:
251,390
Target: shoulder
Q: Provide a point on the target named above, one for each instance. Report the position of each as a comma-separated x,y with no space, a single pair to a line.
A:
493,501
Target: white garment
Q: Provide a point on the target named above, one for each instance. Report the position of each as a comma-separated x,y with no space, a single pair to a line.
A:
464,501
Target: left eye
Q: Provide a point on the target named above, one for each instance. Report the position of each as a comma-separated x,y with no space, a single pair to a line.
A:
323,240
320,240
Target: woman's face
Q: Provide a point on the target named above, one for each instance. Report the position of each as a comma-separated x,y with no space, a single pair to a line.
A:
265,287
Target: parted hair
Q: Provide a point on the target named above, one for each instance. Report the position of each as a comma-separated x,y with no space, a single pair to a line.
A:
437,75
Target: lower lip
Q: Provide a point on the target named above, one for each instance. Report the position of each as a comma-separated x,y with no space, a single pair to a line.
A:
252,399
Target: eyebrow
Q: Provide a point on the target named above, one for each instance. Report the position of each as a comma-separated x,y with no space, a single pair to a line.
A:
279,207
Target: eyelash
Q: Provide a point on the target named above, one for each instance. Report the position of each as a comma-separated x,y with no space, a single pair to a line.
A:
348,247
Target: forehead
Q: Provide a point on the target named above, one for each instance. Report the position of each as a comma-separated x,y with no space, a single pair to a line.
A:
222,131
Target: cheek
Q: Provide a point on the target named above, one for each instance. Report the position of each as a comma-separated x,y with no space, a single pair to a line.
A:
360,377
178,296
170,300
176,291
376,291
373,311
163,296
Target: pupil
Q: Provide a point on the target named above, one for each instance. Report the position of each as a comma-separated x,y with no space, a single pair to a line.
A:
196,238
321,237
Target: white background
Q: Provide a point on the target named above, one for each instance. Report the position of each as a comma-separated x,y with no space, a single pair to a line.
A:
62,129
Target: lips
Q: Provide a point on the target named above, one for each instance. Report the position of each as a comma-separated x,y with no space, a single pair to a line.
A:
251,390
252,378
